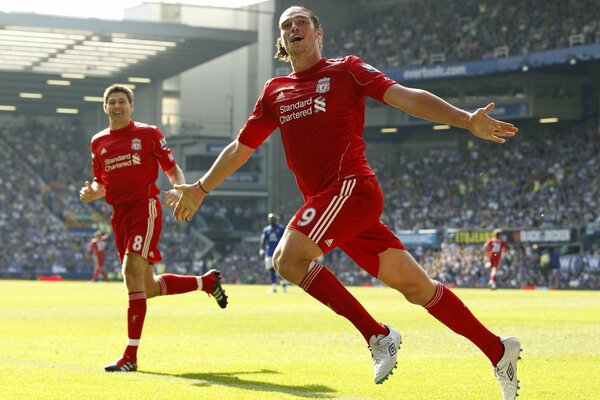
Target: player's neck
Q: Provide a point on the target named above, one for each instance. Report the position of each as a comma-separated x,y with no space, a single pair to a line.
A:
302,62
116,125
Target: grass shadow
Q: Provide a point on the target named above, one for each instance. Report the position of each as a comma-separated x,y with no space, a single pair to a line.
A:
235,379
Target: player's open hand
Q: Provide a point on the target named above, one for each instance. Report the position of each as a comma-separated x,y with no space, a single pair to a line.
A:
485,127
189,201
172,197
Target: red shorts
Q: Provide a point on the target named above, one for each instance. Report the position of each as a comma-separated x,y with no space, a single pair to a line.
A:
346,215
137,227
100,259
494,261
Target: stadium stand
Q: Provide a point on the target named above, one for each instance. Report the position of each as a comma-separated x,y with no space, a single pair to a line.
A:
43,225
542,178
420,32
546,177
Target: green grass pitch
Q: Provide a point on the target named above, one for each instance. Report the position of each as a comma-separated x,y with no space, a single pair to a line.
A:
55,338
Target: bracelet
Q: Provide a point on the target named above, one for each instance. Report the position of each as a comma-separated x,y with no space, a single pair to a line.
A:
201,188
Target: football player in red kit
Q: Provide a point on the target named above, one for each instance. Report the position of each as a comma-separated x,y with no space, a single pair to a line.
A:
319,109
97,247
125,160
494,247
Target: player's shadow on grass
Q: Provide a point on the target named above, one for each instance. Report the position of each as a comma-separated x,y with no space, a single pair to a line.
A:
232,379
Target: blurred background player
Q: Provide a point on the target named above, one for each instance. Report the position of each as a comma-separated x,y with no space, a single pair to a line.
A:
271,235
125,161
97,247
494,247
319,110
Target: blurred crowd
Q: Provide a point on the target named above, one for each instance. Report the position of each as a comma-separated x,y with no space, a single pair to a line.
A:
521,266
545,177
43,165
415,32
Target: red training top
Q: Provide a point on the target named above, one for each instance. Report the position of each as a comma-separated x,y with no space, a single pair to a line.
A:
126,161
321,114
495,247
98,245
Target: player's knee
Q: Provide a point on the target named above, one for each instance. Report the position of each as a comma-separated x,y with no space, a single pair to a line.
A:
277,259
414,293
153,289
285,264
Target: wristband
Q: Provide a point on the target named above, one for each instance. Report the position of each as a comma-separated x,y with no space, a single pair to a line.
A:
201,188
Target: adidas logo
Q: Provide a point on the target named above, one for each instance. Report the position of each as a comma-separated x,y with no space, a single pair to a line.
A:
103,152
280,96
328,242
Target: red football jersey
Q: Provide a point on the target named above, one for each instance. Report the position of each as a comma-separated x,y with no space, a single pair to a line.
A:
98,245
320,113
495,247
126,161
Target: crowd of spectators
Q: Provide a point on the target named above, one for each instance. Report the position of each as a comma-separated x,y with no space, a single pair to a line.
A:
44,227
542,178
32,236
410,32
521,266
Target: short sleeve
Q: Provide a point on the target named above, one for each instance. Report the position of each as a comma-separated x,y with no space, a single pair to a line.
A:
260,124
162,151
96,165
371,81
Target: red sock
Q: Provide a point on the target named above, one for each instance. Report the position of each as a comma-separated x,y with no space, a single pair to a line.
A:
208,282
452,312
321,284
176,284
135,322
493,275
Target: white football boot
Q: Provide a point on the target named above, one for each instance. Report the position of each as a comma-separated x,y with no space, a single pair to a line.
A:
384,351
506,369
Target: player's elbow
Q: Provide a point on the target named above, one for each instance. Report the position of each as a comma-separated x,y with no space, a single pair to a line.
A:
240,151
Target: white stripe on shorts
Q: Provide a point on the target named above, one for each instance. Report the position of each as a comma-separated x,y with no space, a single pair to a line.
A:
150,227
332,211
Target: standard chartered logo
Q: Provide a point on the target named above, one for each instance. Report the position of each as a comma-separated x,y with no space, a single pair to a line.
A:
122,161
301,109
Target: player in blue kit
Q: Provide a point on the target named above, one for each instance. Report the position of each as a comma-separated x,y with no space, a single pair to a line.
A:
271,235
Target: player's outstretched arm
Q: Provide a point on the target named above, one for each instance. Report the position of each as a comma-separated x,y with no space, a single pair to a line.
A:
231,158
91,191
426,105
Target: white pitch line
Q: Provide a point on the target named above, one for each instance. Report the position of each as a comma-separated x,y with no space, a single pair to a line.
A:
151,376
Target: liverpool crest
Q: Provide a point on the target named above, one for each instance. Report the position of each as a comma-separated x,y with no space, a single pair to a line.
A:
136,144
323,85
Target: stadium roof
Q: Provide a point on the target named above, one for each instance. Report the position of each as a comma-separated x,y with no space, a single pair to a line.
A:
49,62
